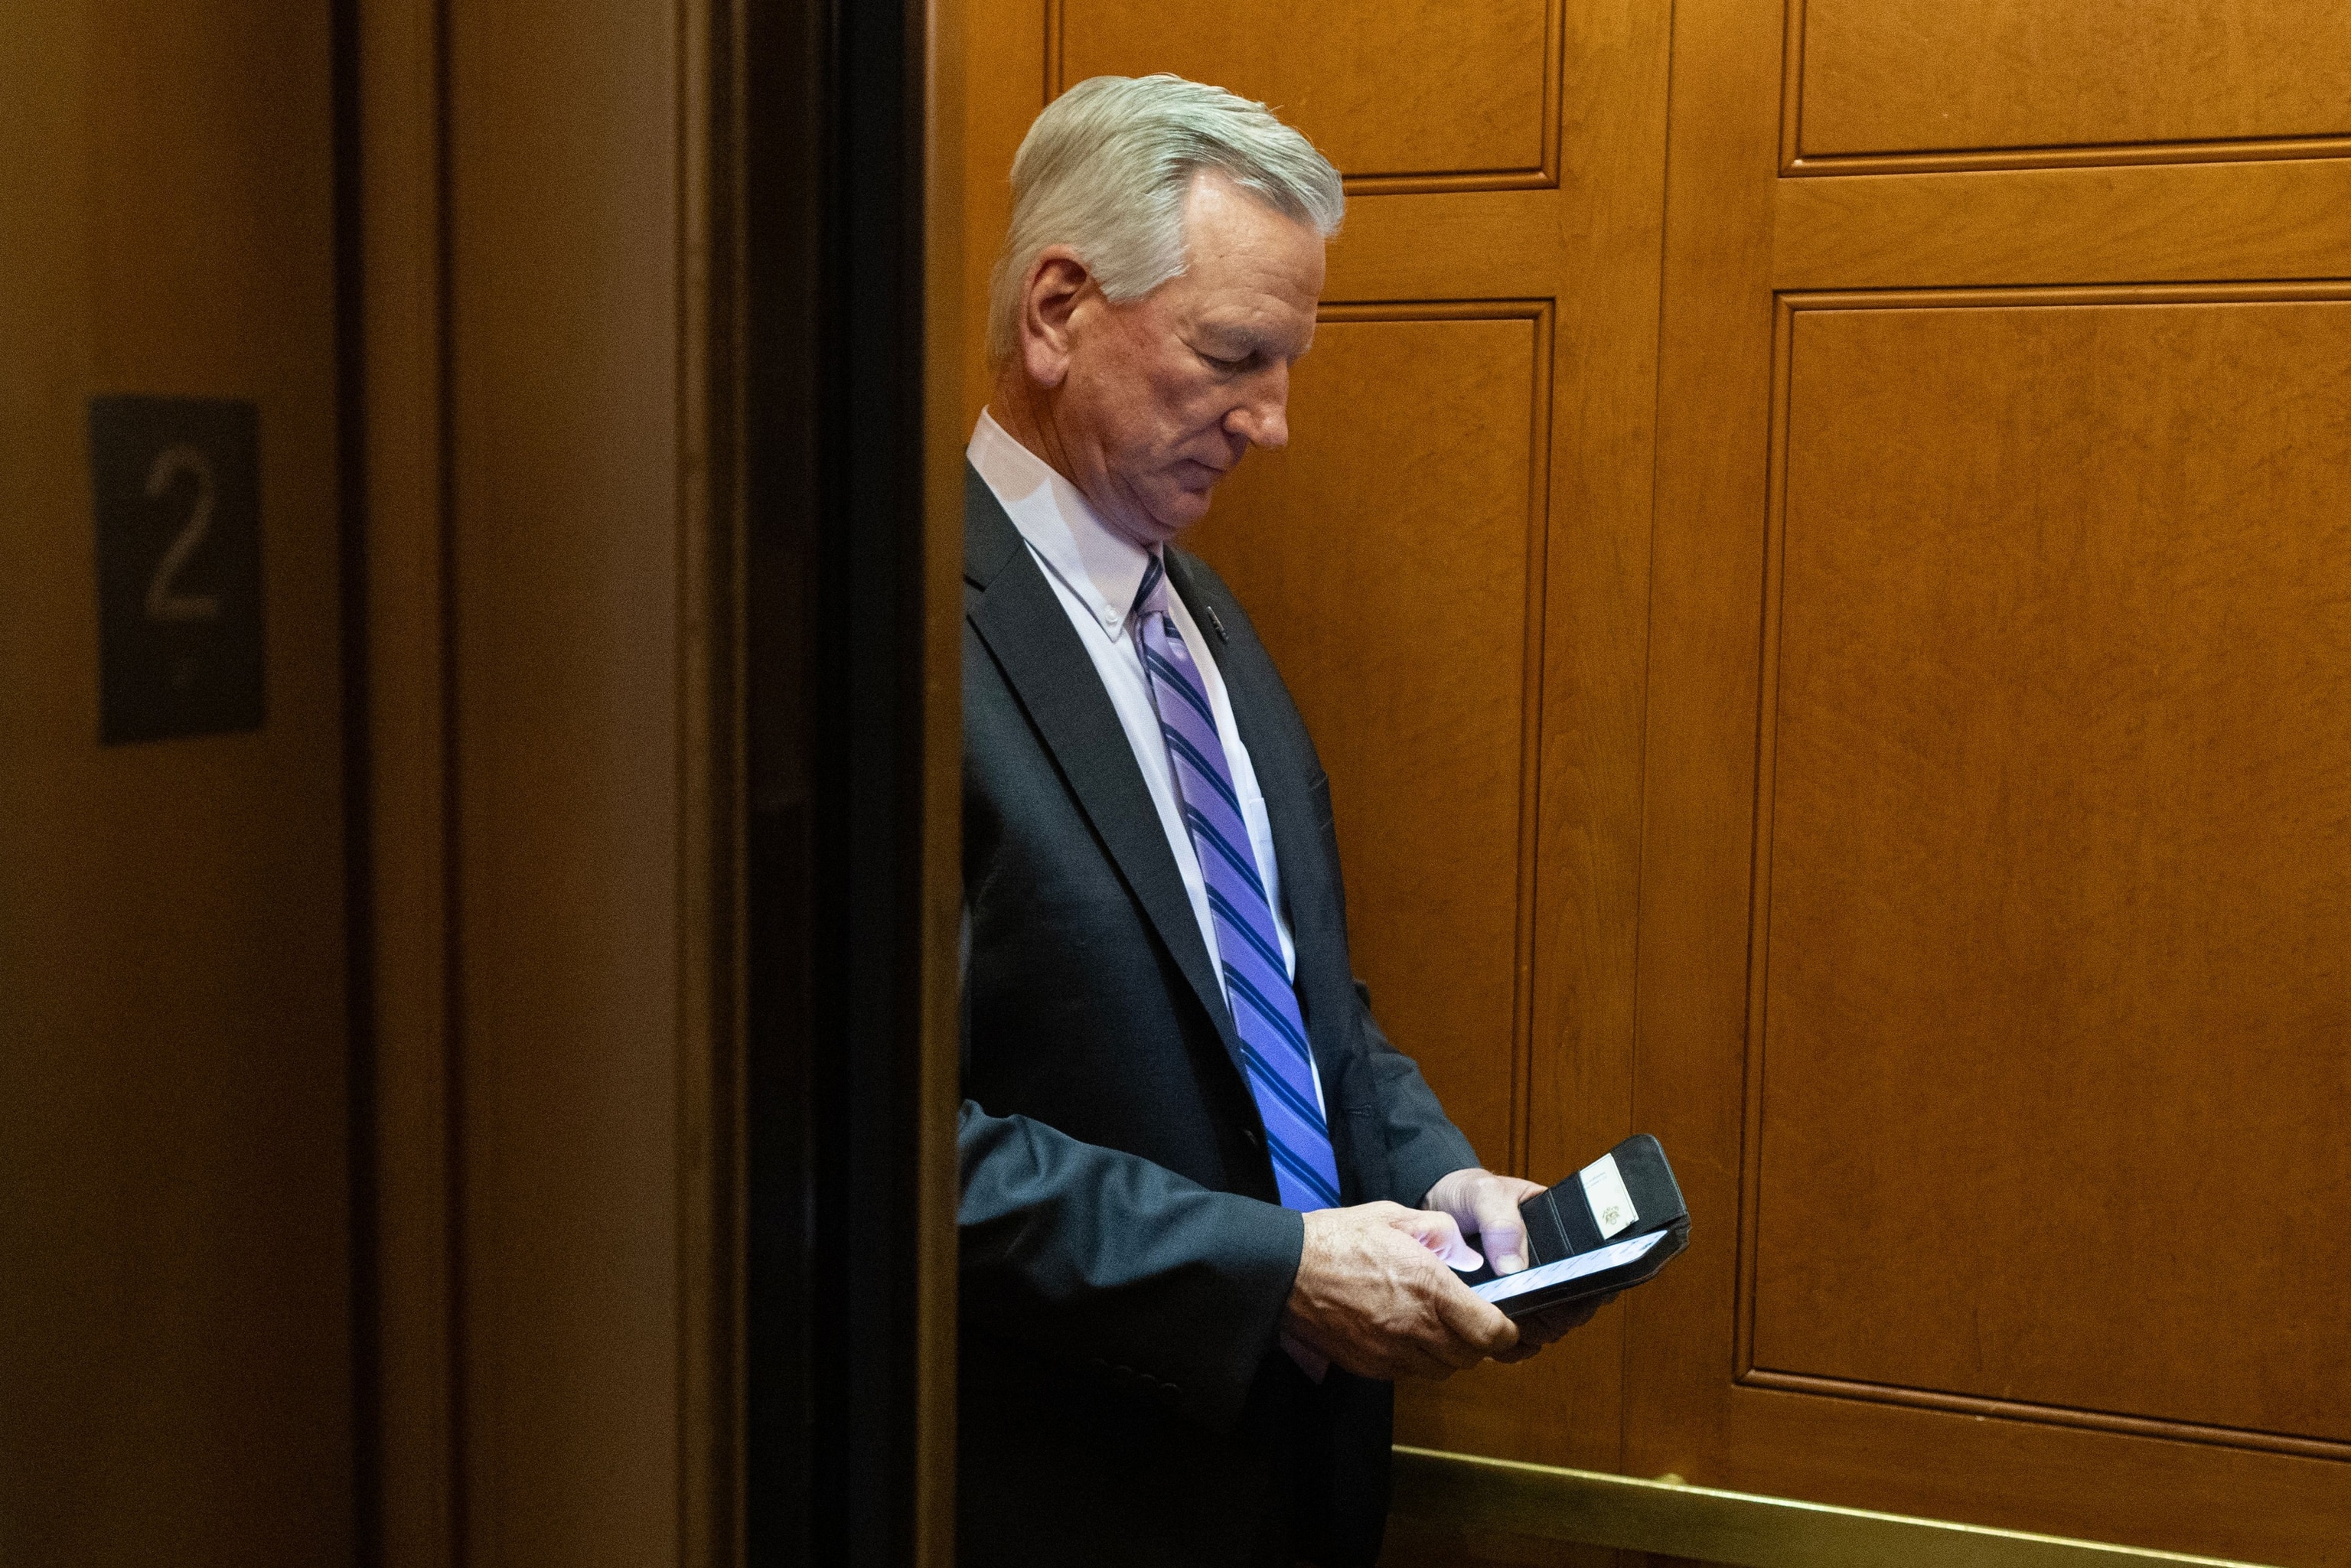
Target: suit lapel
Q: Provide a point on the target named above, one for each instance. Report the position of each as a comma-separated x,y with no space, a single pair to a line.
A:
1023,624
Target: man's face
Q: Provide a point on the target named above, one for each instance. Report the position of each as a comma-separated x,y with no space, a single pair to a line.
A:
1163,395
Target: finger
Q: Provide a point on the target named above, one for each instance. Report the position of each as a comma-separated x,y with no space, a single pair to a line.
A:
1439,1233
1477,1325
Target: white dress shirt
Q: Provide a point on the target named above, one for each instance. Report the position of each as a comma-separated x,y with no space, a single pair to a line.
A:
1095,572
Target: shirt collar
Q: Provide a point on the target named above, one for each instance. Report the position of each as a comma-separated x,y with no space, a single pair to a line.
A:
1101,565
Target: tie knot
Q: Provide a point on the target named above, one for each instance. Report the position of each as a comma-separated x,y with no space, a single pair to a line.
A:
1151,598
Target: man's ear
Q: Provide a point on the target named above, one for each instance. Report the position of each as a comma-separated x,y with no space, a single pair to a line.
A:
1057,283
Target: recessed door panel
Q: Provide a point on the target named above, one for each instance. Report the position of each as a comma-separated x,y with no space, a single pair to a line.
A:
1993,878
1903,76
2056,885
1415,91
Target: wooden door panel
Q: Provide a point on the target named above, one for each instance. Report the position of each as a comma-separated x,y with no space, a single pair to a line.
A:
1386,91
1417,427
1881,76
2006,615
2054,886
2148,1489
2176,224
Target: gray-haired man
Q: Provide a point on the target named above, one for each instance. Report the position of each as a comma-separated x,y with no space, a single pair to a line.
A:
1206,1208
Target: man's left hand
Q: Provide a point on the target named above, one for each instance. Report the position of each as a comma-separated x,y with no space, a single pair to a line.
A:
1486,1206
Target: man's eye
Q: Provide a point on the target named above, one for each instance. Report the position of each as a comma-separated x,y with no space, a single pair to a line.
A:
1228,366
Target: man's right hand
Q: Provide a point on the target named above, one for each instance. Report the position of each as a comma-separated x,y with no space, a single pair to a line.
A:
1374,1293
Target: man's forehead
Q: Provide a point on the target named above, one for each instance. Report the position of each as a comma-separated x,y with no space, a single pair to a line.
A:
1219,215
1256,320
1254,277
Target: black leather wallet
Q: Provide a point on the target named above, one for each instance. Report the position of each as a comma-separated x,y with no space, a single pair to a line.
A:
1611,1225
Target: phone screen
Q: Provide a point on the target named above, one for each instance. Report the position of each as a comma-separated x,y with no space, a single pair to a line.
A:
1598,1260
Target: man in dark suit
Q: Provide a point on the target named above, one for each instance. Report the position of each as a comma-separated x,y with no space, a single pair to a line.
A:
1207,1209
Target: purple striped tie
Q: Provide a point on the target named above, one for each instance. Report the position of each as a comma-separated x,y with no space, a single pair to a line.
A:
1256,983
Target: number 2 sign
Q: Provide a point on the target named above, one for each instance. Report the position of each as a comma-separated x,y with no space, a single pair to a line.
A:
176,484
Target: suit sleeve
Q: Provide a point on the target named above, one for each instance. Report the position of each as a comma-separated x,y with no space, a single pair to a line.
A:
1423,1142
1108,1260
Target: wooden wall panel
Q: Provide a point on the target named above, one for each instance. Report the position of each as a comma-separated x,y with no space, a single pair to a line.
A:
2063,589
2185,222
176,1352
550,549
2056,869
1415,683
1884,76
1403,95
567,742
1002,87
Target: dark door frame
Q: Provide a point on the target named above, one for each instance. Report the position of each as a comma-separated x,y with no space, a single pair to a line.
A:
848,1291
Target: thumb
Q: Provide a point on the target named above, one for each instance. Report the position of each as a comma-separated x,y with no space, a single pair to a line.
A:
1502,1231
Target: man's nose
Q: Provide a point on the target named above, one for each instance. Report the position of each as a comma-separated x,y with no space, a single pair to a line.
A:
1263,418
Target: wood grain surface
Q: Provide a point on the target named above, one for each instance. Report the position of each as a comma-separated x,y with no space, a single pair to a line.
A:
2043,671
1416,92
2056,881
2194,223
1905,76
176,1352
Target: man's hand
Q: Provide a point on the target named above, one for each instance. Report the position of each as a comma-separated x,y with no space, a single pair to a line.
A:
1486,1206
1374,1293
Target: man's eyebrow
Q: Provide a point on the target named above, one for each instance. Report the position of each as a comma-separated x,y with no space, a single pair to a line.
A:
1242,339
1249,339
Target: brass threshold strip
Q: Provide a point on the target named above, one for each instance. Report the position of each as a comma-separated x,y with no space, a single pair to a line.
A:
1588,1508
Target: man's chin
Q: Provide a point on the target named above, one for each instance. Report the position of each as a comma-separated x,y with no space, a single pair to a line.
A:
1151,516
1181,508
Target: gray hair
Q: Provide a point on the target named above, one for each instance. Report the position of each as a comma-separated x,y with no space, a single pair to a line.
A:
1104,171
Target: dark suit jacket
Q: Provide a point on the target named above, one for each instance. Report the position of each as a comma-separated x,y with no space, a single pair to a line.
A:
1125,1260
